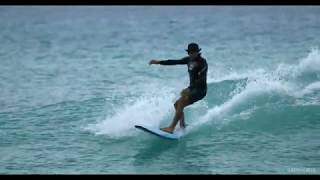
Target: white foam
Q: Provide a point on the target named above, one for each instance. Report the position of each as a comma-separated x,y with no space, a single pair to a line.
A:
148,110
231,76
309,64
251,76
308,89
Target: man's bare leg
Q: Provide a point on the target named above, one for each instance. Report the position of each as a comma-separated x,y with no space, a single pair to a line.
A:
186,94
178,115
172,126
182,122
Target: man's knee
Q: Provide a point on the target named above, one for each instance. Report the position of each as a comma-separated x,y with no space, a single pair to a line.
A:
181,104
176,105
185,100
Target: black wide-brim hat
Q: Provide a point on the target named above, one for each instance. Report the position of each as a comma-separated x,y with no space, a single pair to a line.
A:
193,47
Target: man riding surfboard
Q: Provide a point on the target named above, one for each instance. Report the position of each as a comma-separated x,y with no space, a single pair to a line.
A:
197,89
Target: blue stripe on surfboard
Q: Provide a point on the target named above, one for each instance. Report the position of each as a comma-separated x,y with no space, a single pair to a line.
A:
157,132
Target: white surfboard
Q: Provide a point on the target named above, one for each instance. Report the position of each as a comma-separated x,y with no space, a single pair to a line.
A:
158,132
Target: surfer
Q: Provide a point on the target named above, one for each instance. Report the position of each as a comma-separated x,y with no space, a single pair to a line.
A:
197,89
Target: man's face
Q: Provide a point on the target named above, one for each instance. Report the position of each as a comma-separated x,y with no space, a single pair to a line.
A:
193,55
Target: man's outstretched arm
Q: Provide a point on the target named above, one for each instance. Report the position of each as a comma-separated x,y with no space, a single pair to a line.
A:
170,62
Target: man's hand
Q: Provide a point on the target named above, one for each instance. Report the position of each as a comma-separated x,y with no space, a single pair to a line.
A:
153,61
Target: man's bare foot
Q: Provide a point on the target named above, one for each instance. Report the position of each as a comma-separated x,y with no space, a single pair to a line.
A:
167,129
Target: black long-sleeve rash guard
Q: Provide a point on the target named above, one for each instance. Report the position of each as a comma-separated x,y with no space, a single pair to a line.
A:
197,69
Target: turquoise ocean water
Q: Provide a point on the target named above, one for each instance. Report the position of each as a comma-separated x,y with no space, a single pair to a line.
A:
75,80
